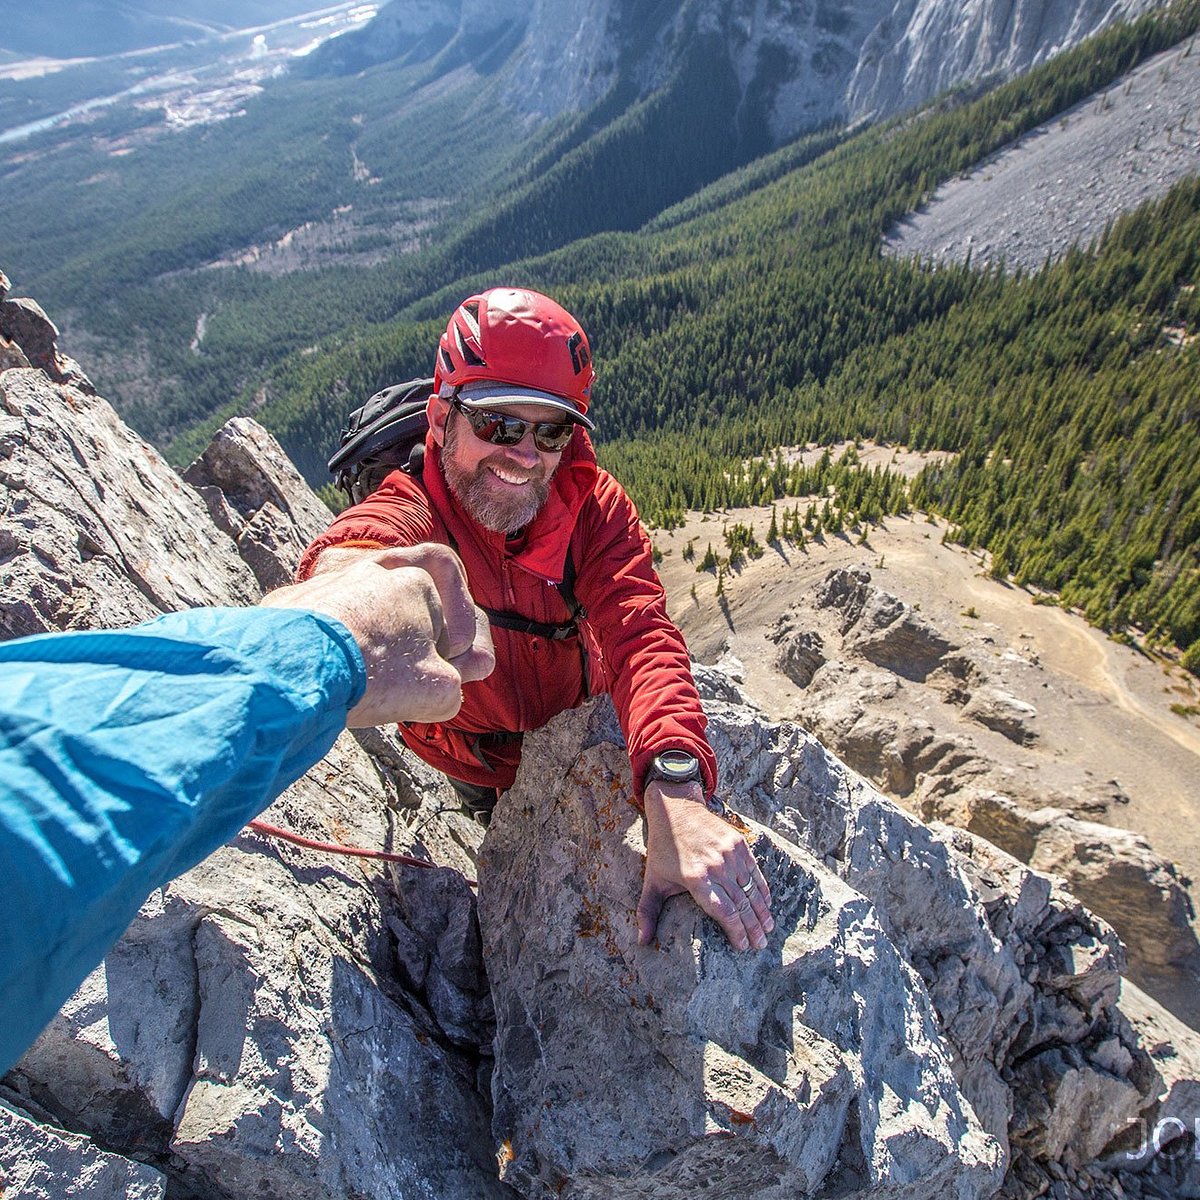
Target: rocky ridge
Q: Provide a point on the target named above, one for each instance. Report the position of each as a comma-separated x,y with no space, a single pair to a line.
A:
932,1017
798,65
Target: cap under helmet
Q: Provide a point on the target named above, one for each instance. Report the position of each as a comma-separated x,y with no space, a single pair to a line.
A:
516,337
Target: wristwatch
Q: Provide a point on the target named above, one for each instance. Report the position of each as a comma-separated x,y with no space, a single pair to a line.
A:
675,766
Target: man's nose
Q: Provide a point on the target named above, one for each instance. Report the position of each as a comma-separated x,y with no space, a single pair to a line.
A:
525,452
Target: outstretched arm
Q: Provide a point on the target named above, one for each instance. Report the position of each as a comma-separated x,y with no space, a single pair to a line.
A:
127,756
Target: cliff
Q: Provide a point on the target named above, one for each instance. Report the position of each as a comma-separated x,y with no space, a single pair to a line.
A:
797,65
931,1017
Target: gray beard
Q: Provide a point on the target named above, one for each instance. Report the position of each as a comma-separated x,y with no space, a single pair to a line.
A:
501,514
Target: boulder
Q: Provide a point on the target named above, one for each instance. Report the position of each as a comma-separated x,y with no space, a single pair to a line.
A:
815,1064
998,710
801,651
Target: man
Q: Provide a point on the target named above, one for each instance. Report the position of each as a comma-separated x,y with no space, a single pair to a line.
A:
510,482
128,756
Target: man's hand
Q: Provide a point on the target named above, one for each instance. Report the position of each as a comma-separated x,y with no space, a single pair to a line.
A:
690,849
420,634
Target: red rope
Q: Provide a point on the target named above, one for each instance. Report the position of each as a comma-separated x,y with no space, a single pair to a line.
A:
333,848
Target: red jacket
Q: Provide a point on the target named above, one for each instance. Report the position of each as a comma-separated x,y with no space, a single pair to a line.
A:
634,649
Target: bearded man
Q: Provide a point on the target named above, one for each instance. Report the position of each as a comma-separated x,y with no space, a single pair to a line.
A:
510,482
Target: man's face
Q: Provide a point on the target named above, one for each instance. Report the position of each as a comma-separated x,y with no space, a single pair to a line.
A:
502,487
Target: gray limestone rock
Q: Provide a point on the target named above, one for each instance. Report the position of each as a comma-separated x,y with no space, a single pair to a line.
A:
257,496
95,528
38,1162
815,1064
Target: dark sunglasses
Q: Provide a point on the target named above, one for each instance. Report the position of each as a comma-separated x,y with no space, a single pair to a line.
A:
548,436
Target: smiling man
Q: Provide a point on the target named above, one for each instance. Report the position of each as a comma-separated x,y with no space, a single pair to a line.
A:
556,556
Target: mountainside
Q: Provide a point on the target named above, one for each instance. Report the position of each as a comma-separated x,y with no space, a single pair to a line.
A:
798,65
931,1018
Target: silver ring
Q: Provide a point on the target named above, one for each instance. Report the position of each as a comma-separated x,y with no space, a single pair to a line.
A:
749,887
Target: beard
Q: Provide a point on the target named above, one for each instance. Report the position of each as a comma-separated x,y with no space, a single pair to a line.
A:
477,490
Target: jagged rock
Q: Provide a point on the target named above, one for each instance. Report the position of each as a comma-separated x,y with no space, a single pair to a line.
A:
95,528
766,1075
881,627
801,651
39,1163
1104,866
996,709
257,496
251,1033
24,325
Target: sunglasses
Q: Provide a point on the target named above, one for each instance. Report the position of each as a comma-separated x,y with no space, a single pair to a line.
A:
500,430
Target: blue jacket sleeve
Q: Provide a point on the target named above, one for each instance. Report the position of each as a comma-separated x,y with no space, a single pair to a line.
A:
127,757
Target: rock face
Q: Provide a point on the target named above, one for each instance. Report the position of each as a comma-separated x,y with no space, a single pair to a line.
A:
798,65
931,1017
906,704
927,46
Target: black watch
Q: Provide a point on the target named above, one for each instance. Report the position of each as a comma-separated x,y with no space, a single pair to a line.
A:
675,766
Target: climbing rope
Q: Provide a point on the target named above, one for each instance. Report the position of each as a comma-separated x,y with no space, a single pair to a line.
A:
285,835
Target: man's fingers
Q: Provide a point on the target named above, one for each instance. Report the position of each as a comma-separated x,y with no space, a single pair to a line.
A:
460,623
649,909
479,660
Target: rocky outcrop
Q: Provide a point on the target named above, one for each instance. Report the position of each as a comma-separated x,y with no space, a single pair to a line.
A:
797,65
919,728
279,1022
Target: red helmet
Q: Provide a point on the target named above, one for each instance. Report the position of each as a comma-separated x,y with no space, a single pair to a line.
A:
519,338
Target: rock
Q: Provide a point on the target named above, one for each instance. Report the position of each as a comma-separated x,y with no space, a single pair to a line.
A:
95,528
796,66
801,651
881,627
24,325
1104,866
767,1075
38,1162
996,709
257,496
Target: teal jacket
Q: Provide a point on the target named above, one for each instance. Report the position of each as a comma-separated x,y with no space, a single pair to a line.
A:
127,757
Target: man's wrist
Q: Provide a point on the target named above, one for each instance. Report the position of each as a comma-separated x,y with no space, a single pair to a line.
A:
675,767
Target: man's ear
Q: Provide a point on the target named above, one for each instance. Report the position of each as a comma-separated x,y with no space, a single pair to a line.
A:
439,414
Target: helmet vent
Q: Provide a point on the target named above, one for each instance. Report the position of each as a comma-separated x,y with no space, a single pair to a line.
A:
469,311
467,350
447,361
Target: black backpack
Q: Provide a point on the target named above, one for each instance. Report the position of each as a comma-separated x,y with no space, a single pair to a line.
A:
387,434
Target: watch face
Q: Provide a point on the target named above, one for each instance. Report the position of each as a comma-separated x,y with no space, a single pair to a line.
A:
676,766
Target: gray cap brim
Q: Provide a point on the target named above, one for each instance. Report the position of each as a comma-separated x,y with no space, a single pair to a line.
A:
503,395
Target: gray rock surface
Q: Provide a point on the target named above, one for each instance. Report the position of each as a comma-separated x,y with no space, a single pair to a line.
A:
1061,184
815,1064
39,1163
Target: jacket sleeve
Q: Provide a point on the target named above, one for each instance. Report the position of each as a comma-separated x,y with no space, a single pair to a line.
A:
647,659
127,757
